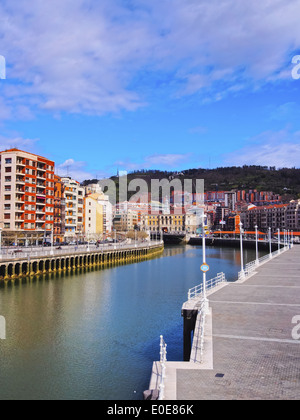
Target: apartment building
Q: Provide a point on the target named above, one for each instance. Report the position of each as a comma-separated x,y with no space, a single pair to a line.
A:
278,216
107,207
125,222
93,220
26,192
59,209
74,209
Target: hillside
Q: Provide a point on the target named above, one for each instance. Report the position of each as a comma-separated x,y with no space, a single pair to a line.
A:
285,181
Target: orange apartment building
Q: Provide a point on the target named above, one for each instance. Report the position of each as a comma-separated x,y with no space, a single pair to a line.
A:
59,210
26,192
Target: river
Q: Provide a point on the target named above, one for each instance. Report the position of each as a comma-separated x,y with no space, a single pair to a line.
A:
95,335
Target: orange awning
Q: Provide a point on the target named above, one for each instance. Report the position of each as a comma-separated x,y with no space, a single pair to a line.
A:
237,232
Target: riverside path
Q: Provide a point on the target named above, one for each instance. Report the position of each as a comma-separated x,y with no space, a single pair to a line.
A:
251,339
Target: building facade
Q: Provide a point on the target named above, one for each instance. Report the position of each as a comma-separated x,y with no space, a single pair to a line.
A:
93,217
107,207
74,209
59,210
26,194
278,216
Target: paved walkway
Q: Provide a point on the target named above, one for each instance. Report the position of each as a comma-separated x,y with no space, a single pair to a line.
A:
250,352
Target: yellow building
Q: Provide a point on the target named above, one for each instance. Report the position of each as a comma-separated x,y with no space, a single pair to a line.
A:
169,222
93,218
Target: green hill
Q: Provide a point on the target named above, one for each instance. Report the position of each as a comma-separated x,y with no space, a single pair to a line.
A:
285,181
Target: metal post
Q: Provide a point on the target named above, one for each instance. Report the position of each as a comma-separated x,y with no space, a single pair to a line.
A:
0,240
292,238
256,239
278,240
204,262
270,241
241,245
51,252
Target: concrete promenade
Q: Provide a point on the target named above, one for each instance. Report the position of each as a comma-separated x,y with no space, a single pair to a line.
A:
250,351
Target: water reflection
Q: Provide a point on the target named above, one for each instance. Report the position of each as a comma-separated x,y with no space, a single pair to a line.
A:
94,334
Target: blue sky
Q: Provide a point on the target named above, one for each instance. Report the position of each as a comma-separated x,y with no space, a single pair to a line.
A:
167,84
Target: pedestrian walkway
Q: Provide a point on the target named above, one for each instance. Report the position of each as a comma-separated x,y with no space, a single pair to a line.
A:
252,348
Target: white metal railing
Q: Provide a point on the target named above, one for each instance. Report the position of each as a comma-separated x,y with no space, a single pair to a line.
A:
251,266
198,290
198,341
163,359
13,254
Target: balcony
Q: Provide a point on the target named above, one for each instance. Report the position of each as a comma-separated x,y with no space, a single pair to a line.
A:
41,184
40,175
20,180
20,162
41,168
19,198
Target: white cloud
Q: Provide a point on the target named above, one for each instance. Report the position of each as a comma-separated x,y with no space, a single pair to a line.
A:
75,170
280,149
158,161
84,56
18,143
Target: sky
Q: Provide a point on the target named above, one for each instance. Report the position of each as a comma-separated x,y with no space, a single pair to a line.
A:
106,85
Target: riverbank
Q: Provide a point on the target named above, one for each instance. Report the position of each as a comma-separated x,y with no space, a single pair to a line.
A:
35,264
235,243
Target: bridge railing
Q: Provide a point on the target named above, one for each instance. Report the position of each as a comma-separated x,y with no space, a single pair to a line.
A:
199,333
163,359
12,254
197,291
251,266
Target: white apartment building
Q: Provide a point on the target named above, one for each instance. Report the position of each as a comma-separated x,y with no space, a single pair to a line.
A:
74,211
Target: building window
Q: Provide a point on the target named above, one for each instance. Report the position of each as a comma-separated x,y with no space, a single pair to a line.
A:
7,197
8,161
8,169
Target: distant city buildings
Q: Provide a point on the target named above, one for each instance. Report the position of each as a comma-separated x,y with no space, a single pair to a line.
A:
38,206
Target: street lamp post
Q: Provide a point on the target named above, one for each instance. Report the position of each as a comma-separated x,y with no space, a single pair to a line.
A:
256,240
242,253
52,242
204,262
270,241
292,238
278,230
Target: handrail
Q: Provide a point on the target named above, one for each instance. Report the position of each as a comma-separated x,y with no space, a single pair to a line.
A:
251,266
163,359
74,250
197,291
